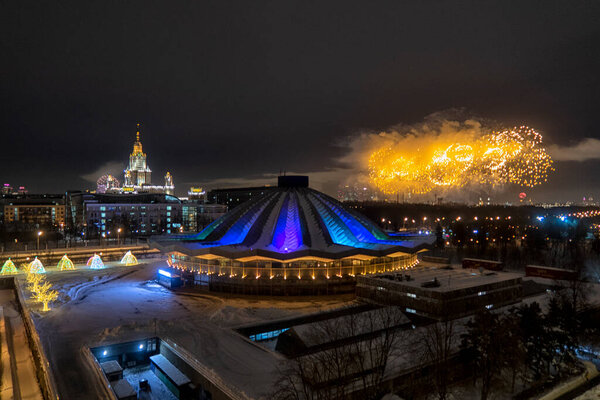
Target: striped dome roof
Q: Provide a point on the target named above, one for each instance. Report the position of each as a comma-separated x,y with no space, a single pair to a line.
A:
291,222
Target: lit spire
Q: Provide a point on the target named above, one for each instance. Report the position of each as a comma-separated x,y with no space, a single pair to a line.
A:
137,146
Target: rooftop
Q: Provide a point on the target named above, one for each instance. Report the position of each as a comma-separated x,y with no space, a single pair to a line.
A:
290,222
447,279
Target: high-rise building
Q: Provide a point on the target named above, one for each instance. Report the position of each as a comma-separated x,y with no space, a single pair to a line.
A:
137,174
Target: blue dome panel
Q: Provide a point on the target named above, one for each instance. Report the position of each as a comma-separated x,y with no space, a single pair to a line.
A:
293,222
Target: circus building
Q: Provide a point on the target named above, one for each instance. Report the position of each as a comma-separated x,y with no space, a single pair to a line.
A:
291,238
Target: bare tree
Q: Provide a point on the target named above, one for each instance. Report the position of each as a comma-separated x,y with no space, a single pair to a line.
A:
346,357
436,344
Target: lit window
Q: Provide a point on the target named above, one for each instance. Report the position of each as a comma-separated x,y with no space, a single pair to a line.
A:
489,306
414,296
411,310
481,293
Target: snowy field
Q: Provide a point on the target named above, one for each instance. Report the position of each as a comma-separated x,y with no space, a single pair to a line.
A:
118,304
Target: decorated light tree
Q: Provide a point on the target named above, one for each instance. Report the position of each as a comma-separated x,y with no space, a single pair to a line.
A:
129,259
45,295
8,268
36,267
34,281
65,264
95,262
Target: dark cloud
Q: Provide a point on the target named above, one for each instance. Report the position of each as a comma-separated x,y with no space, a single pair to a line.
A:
237,90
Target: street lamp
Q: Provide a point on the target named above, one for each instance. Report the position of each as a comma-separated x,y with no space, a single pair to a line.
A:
118,236
38,239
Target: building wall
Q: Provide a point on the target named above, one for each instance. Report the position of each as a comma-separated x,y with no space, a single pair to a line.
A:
197,216
35,214
440,305
143,218
236,196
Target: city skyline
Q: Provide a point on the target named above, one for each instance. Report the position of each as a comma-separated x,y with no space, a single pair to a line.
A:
293,200
286,87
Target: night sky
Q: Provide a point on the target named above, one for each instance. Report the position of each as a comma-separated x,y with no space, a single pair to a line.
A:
230,91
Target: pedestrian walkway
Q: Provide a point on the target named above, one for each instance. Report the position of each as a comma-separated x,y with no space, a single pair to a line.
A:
24,381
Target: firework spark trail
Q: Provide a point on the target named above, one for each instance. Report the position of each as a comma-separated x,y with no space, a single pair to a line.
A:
512,156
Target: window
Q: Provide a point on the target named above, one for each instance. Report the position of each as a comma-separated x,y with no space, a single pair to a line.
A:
489,306
267,335
481,293
414,296
411,310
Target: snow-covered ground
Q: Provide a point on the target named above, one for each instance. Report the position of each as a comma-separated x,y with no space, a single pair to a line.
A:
124,303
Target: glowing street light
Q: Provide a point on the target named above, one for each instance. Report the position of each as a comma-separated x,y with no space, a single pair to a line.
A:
38,239
118,236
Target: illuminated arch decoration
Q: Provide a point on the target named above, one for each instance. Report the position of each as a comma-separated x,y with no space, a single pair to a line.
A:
65,264
8,268
129,259
95,262
36,267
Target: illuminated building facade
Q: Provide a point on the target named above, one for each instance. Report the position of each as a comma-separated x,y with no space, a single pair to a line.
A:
138,176
136,214
197,194
292,233
34,211
8,189
197,216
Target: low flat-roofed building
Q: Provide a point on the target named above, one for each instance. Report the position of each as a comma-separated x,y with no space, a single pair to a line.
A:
123,390
316,336
112,369
442,293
